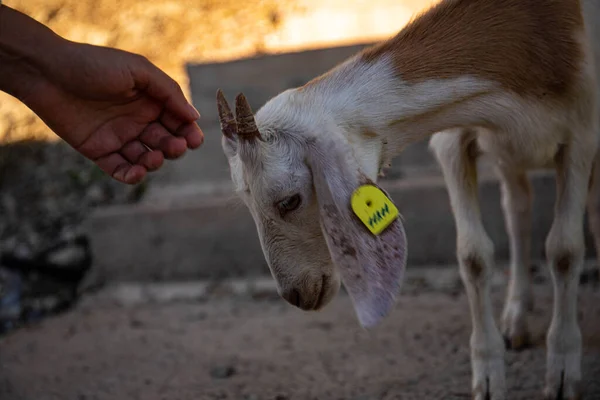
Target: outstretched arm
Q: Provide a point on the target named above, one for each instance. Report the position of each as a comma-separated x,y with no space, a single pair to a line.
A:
114,107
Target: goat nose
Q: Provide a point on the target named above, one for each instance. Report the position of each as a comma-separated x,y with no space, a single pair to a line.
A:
293,297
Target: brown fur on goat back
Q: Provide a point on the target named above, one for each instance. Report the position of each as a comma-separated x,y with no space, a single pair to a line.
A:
530,47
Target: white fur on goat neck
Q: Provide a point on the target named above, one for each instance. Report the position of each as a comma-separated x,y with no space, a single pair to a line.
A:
372,108
380,115
524,111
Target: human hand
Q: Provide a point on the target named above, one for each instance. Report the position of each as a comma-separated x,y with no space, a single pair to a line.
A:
114,107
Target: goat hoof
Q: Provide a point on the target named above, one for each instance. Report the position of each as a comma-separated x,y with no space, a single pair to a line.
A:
550,394
514,325
484,393
517,342
562,389
489,382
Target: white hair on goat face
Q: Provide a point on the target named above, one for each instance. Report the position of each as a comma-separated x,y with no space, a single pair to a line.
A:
275,183
297,179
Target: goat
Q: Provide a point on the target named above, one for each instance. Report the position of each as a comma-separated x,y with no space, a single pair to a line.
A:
516,80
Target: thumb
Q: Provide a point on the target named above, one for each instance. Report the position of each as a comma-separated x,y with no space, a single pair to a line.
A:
157,84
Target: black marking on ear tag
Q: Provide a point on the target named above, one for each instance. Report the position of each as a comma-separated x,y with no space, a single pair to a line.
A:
373,208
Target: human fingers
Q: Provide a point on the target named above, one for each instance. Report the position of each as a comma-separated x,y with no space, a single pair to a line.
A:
120,169
157,137
189,130
137,153
192,134
162,87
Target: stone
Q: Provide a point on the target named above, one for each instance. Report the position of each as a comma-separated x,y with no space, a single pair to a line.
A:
222,372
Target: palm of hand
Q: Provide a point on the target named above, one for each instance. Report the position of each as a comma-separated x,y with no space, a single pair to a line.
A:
118,110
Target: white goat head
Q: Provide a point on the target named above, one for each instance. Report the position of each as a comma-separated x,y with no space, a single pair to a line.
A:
296,175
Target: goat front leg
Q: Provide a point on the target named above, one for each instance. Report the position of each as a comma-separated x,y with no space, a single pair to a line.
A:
456,155
516,204
565,252
593,206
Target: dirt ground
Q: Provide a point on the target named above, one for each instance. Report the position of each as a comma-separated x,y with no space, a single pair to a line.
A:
237,347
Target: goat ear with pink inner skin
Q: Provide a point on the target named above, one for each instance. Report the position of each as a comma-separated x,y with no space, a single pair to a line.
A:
371,265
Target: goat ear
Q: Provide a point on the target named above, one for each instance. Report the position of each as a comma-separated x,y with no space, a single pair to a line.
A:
371,266
229,145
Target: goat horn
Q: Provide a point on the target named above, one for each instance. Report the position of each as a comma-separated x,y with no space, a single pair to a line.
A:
247,128
228,122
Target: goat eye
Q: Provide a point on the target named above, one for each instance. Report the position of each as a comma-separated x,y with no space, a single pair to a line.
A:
289,204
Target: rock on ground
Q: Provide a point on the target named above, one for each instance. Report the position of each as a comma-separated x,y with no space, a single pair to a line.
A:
231,346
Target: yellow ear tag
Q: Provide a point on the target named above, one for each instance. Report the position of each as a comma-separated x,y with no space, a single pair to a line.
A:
373,208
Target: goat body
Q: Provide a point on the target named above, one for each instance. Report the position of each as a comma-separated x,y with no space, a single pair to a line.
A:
516,80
